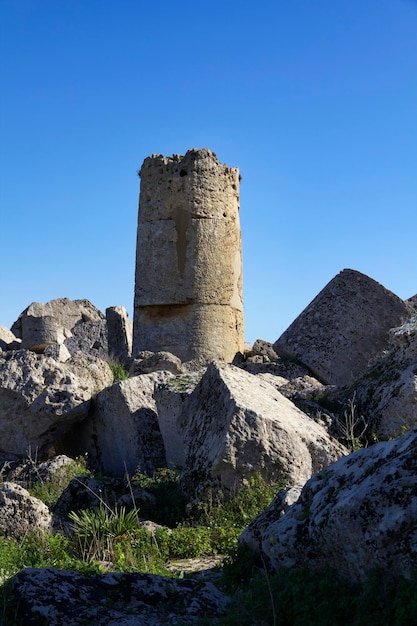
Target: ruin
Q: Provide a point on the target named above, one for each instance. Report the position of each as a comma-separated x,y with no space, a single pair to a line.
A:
188,289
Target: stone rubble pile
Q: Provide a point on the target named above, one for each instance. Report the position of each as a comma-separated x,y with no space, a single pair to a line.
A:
276,411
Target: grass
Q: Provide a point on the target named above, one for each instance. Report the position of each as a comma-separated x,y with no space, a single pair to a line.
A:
118,371
49,490
106,538
303,597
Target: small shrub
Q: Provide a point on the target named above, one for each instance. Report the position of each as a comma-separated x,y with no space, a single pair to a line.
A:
171,502
118,371
97,529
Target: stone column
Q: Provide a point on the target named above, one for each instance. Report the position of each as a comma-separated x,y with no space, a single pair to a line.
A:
188,292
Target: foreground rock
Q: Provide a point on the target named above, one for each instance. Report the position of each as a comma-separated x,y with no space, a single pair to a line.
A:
357,516
235,424
345,325
40,399
61,597
20,513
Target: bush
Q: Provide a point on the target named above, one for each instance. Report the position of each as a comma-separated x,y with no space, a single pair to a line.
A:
118,371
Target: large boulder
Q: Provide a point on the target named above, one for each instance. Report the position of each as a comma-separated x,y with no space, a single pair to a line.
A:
345,325
42,324
357,516
235,424
40,399
122,433
57,597
20,513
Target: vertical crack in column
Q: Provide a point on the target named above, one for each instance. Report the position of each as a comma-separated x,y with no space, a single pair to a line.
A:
182,220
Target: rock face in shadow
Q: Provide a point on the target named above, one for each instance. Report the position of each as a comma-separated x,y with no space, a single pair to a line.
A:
60,597
120,334
357,516
385,396
40,399
345,325
121,433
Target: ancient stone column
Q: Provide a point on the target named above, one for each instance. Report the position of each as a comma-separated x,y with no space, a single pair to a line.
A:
188,292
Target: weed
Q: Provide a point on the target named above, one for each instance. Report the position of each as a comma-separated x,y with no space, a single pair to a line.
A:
118,371
351,427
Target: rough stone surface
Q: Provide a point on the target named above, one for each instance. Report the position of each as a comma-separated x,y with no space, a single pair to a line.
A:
170,397
358,515
39,400
58,352
120,334
288,377
26,472
345,325
263,349
412,301
94,373
42,324
188,294
60,597
234,424
147,362
89,337
122,433
20,513
8,341
386,394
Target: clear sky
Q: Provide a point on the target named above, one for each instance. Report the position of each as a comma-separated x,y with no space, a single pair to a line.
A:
314,100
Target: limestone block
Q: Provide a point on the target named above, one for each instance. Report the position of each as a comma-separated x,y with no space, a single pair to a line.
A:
345,325
94,373
128,599
122,433
253,533
40,399
357,516
119,334
147,362
43,324
262,349
386,394
20,513
234,424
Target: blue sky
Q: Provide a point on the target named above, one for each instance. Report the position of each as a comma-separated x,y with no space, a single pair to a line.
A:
314,100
